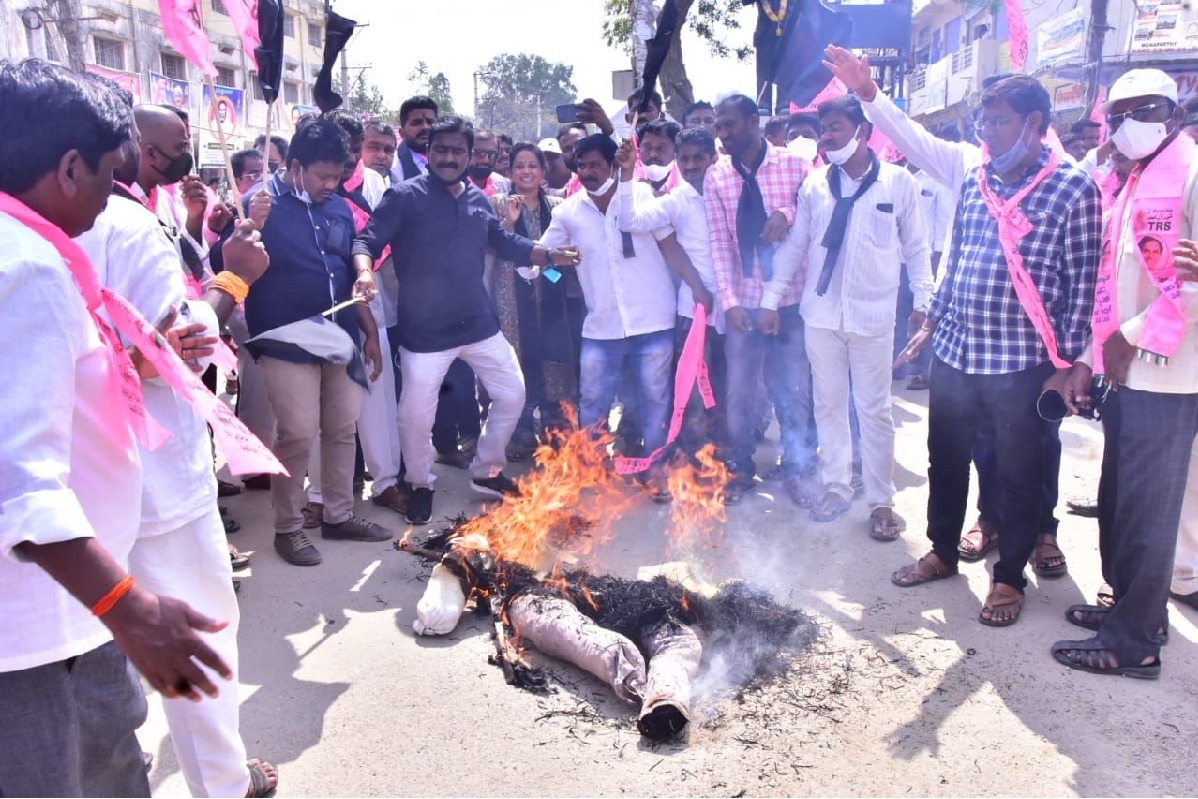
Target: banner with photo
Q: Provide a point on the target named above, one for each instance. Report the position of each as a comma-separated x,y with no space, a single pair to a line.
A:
226,112
170,91
129,81
1061,39
1168,27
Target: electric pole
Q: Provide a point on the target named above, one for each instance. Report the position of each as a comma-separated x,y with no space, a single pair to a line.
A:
1094,47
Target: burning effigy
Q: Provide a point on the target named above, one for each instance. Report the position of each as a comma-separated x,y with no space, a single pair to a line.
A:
529,564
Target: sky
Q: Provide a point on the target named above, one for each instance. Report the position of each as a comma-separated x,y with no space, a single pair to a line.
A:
458,36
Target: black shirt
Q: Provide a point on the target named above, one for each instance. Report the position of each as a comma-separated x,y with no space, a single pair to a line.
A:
438,243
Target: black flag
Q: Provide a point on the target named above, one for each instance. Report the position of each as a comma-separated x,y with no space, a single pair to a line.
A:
798,69
656,50
269,53
337,30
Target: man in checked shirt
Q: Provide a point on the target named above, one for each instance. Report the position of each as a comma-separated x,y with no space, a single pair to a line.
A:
991,363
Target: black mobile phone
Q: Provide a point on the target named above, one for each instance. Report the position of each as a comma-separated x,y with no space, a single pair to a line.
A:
567,113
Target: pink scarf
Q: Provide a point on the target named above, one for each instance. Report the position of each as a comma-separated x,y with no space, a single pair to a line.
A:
1154,194
692,370
1013,226
243,451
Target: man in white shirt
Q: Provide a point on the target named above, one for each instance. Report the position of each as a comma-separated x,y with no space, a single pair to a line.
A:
683,211
1145,345
858,221
70,472
629,294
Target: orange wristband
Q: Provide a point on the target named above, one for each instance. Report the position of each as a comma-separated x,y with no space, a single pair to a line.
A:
109,600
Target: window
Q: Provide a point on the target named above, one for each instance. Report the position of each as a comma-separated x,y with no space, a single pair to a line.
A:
315,38
173,66
219,7
225,77
289,25
291,92
110,53
255,86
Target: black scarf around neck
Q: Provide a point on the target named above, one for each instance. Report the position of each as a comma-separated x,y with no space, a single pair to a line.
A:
839,224
751,218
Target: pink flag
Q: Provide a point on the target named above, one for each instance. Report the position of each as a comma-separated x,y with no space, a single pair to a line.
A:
833,90
183,26
1096,114
1017,28
244,14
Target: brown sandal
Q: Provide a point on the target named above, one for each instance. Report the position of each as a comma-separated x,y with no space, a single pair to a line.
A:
925,570
1000,598
1047,558
885,524
980,539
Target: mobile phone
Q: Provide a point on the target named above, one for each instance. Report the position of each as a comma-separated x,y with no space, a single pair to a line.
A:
567,113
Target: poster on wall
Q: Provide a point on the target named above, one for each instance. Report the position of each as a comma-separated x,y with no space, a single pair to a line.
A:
1069,97
223,112
1061,39
170,91
1169,27
128,81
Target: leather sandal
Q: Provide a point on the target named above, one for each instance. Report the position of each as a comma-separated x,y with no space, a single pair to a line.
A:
976,543
1001,596
925,570
1047,558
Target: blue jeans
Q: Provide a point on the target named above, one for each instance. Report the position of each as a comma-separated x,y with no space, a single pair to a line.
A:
788,383
650,356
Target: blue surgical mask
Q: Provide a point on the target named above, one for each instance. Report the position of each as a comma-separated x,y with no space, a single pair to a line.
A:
299,189
1013,157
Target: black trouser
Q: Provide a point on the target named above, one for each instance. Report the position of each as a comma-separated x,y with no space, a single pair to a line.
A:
958,406
1148,439
458,416
989,493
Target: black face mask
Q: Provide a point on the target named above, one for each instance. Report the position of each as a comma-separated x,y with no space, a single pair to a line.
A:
177,168
480,173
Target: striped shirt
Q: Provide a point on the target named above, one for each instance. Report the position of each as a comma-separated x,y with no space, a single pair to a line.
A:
780,175
982,328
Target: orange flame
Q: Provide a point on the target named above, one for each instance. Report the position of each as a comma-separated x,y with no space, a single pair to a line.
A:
564,506
697,513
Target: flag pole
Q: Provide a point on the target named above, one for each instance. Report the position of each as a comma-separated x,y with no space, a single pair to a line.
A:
220,136
266,147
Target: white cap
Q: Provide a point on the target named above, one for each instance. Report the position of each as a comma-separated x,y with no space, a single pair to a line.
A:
1141,83
549,145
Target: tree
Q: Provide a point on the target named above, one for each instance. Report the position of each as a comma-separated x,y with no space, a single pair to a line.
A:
435,86
521,93
711,20
367,99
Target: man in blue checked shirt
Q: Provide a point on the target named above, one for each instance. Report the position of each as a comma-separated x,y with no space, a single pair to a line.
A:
991,362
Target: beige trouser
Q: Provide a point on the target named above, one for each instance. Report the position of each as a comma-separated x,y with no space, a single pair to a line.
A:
1185,563
311,399
836,357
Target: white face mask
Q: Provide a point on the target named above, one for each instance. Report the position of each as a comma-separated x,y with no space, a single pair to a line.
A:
604,189
842,155
657,173
300,191
1139,140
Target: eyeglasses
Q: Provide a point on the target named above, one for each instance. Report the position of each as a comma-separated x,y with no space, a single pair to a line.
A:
485,155
1141,113
981,125
253,175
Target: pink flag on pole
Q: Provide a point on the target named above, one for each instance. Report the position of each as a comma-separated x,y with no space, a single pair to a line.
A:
183,26
1017,27
833,90
244,14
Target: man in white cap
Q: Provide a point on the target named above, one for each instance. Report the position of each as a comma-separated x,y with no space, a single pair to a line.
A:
557,174
1145,345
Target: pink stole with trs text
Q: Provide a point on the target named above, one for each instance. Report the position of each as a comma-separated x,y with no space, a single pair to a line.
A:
1153,193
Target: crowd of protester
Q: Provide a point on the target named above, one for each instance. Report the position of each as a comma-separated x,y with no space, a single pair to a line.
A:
438,295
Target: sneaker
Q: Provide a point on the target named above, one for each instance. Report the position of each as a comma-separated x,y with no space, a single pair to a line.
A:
355,528
918,383
420,506
313,514
296,549
498,486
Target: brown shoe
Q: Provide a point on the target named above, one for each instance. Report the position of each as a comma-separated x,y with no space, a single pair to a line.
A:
928,568
456,458
393,499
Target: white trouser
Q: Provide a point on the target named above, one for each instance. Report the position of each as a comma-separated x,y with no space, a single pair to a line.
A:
494,363
378,431
1185,564
838,358
192,564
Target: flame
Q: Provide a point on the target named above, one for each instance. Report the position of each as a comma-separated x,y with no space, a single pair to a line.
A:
565,504
590,598
697,513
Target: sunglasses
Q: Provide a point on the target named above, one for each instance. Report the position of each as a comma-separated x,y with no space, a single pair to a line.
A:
1140,114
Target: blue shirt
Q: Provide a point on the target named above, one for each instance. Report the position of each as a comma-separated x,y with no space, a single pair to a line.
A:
982,328
438,243
311,265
